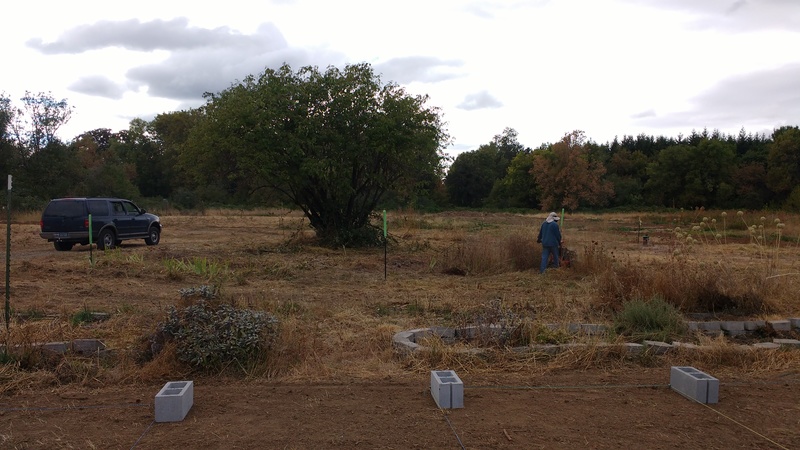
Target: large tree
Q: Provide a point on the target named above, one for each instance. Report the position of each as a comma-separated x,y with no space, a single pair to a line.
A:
472,176
333,142
693,175
475,175
567,176
783,170
35,125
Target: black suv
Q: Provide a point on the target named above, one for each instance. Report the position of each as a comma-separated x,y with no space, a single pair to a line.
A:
65,222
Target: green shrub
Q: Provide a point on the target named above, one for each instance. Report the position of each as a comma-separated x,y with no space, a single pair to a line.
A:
85,315
210,337
654,319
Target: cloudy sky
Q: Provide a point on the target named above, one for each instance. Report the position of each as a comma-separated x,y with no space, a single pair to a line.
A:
545,68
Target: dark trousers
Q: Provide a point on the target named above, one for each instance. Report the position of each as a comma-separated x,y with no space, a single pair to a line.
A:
546,252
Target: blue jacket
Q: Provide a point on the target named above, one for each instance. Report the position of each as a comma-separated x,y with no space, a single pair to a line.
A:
549,234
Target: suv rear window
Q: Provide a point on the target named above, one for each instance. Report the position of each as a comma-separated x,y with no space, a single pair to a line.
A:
65,208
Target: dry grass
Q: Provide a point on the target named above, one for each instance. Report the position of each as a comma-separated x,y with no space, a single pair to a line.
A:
338,313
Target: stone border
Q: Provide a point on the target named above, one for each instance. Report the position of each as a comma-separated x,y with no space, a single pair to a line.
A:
83,347
407,341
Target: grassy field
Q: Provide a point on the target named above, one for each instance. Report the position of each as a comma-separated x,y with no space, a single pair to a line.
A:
337,309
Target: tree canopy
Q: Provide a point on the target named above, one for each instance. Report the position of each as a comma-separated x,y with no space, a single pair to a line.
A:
567,177
332,142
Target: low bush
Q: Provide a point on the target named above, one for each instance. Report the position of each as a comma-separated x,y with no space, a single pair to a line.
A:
211,337
653,319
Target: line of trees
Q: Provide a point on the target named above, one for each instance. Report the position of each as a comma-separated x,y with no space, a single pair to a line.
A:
710,170
339,144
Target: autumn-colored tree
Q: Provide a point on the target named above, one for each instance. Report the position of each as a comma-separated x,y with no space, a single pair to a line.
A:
567,177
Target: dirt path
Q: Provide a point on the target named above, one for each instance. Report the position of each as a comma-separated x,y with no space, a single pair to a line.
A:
591,409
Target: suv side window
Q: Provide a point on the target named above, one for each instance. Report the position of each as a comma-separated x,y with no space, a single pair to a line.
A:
130,208
98,207
118,209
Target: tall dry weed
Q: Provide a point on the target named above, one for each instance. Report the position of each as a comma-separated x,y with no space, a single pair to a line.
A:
489,254
688,285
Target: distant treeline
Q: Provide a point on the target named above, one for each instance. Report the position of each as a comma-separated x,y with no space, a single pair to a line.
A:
148,162
704,169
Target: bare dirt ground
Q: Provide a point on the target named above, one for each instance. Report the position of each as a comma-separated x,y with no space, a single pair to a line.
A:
338,384
591,409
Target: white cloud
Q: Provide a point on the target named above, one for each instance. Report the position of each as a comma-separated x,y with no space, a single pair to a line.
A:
480,100
735,16
753,100
545,68
417,69
99,86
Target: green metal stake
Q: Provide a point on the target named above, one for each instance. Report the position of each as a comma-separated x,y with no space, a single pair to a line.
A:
91,255
561,244
8,254
384,245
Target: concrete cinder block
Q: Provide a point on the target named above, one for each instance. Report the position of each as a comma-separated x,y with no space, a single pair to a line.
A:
633,348
593,329
444,332
420,334
787,342
795,322
550,349
88,346
766,345
174,401
687,345
732,326
710,326
693,326
56,347
753,325
781,325
695,384
447,389
402,342
657,347
466,333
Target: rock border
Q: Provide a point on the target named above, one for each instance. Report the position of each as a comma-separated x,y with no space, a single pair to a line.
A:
406,342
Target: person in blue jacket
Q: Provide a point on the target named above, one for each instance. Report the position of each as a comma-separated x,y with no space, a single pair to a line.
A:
550,238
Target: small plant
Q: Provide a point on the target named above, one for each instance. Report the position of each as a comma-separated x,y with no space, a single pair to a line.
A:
135,258
290,308
498,324
543,334
82,316
654,319
209,269
30,314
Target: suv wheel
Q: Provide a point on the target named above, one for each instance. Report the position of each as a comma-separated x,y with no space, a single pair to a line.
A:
63,246
153,236
106,240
